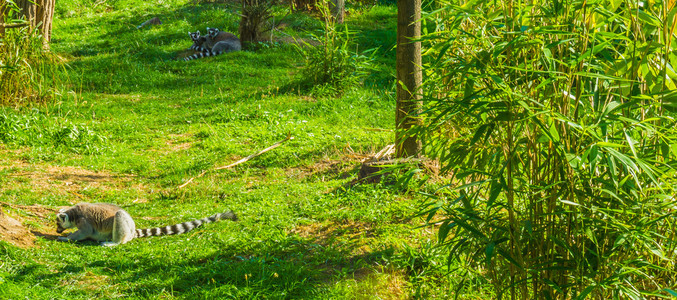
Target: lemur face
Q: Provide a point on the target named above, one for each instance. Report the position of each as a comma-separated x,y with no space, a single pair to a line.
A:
212,32
195,36
62,222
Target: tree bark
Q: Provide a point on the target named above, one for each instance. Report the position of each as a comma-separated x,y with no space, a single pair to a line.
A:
3,11
255,13
39,13
409,77
338,10
302,5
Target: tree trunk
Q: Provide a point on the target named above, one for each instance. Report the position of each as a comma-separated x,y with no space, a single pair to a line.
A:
39,13
3,7
255,13
302,5
409,77
338,10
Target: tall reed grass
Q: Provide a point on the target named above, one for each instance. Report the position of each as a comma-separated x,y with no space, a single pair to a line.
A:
333,66
555,120
28,71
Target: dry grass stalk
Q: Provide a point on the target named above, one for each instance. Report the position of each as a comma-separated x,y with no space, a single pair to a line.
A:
289,137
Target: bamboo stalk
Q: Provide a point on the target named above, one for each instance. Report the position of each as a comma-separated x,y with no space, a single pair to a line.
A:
13,25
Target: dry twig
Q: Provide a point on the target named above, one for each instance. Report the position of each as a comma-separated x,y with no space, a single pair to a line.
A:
289,137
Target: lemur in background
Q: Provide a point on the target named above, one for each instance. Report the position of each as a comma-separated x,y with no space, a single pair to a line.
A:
217,42
198,41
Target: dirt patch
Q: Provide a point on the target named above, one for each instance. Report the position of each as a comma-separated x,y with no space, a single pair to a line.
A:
368,283
14,232
178,142
387,285
179,147
38,211
354,235
61,180
334,169
87,281
73,178
28,222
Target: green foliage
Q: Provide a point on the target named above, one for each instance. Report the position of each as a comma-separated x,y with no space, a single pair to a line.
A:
78,139
28,73
552,119
333,67
34,129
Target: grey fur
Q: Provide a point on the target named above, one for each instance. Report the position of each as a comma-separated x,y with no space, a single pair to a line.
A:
111,225
198,41
217,42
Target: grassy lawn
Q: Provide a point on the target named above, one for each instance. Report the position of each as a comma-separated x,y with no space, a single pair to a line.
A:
135,124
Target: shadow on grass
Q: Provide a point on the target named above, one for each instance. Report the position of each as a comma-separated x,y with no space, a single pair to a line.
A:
294,268
47,236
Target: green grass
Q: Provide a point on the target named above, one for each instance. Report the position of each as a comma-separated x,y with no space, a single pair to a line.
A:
138,123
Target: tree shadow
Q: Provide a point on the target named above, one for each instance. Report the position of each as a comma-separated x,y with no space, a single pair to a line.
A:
294,268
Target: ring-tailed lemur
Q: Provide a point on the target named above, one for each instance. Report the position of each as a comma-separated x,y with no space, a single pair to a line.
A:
111,225
198,41
217,42
197,47
214,35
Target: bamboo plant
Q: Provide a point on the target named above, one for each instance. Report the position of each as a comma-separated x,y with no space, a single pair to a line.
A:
555,120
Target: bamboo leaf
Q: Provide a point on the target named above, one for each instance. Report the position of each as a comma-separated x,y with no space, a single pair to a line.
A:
443,232
554,135
607,144
465,186
495,190
509,258
627,162
649,19
569,202
573,160
585,292
670,292
489,252
631,143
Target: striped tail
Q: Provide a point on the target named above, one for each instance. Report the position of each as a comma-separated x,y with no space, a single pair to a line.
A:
199,48
202,54
185,226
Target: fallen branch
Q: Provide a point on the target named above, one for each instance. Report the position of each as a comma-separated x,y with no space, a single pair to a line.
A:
289,137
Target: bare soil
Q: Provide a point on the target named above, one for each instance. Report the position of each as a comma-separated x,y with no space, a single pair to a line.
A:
327,234
14,232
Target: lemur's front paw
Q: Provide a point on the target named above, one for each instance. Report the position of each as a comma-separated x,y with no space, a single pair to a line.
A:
63,239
